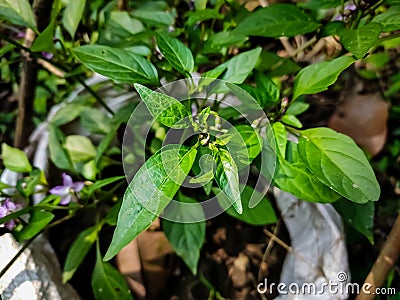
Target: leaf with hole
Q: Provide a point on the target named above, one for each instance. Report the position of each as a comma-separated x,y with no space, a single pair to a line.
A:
165,109
227,178
150,191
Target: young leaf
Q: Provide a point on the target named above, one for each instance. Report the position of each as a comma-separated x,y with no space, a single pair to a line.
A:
297,108
177,54
67,113
80,148
58,154
18,12
277,20
149,192
73,15
107,282
79,248
317,77
186,238
95,120
117,64
360,216
240,66
280,136
244,145
262,214
339,163
389,20
165,109
268,88
291,120
359,41
15,159
37,222
227,178
44,41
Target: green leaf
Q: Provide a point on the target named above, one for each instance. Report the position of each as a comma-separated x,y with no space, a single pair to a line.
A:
277,20
177,54
360,216
339,163
317,77
95,120
240,66
73,15
18,12
78,250
112,216
389,20
165,109
58,154
44,41
245,144
26,185
107,282
4,186
154,17
321,4
149,192
297,108
186,238
261,214
117,64
202,15
276,65
296,179
359,41
291,120
227,178
268,88
280,136
80,148
67,113
37,222
101,183
15,159
105,143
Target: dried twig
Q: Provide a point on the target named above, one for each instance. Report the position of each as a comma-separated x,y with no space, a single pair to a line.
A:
384,263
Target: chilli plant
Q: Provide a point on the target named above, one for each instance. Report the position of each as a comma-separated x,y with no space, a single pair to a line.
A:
214,116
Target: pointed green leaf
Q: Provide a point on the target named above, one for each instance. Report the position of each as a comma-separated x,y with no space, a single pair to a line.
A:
245,144
339,163
359,41
44,41
291,120
37,222
177,54
58,154
317,77
15,159
80,148
227,178
73,15
18,12
263,213
149,192
117,64
277,20
165,109
390,19
78,250
107,282
186,238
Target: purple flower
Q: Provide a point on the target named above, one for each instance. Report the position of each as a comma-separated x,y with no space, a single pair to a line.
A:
6,208
47,55
68,190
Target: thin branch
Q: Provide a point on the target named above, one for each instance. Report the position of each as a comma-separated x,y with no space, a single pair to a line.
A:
384,263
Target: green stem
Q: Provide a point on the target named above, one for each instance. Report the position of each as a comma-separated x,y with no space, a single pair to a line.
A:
208,285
